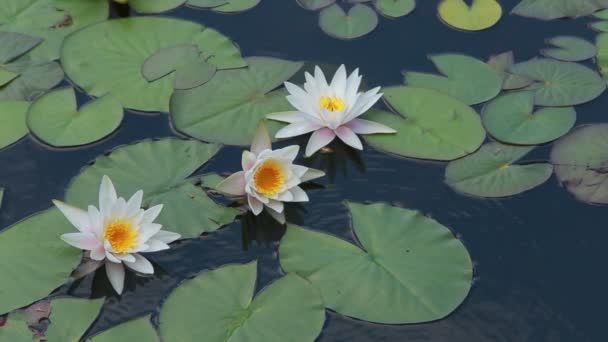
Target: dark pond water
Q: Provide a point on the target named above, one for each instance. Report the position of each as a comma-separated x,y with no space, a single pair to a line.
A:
540,257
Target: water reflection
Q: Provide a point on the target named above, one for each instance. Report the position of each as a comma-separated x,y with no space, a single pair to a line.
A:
336,158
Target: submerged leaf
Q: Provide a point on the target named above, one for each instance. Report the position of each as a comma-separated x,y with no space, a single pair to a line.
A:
357,22
480,15
570,49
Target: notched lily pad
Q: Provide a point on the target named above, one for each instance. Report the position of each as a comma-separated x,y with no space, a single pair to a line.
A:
357,22
313,5
480,15
502,63
395,8
224,6
570,49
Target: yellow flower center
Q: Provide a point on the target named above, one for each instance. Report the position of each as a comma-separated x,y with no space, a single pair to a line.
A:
269,178
121,235
332,104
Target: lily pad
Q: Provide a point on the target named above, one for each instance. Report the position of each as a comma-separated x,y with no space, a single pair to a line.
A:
12,46
235,6
55,119
600,26
35,78
228,108
466,78
570,49
357,22
108,57
12,122
480,15
1,196
555,9
206,3
136,330
436,126
51,20
395,8
35,269
290,309
581,162
560,83
70,318
15,330
154,6
510,118
601,43
491,172
502,63
314,5
413,270
187,209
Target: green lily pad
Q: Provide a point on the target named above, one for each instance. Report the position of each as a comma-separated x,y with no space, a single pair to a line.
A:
154,6
1,196
228,108
502,63
12,122
601,44
560,83
6,77
581,163
12,46
510,118
491,172
35,78
187,209
136,330
290,309
357,22
480,15
16,330
602,14
466,78
71,317
395,8
51,20
55,119
190,69
206,3
39,260
108,57
235,6
413,270
570,49
600,26
555,9
314,5
436,126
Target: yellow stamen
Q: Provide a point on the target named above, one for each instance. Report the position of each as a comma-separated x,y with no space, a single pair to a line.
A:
269,178
332,104
121,235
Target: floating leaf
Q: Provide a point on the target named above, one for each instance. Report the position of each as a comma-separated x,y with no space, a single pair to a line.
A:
51,20
12,122
39,260
412,270
136,330
603,14
206,3
490,172
12,46
190,69
313,5
34,79
290,309
436,126
570,49
187,209
502,63
481,15
359,21
55,119
600,26
510,118
70,318
228,108
395,8
15,330
602,53
581,162
234,6
1,196
560,83
467,79
555,9
108,57
154,6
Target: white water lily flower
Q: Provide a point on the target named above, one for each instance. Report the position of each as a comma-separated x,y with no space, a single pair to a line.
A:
269,177
329,110
117,232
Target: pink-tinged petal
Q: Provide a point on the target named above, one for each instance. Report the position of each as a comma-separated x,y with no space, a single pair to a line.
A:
338,83
166,237
116,276
233,185
141,265
77,217
311,174
107,195
275,205
298,128
134,203
155,246
248,160
361,126
96,221
349,137
255,205
261,139
148,230
290,116
319,139
84,241
280,217
98,253
151,214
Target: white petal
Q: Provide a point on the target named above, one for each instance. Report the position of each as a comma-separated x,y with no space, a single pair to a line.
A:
280,217
147,230
155,246
152,213
134,203
248,160
98,253
311,174
255,205
285,196
119,209
352,85
364,103
84,241
289,152
141,265
275,205
299,170
319,139
233,185
77,217
338,83
320,79
125,257
290,116
107,196
166,237
111,257
96,221
299,195
261,139
297,128
349,137
116,275
361,126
